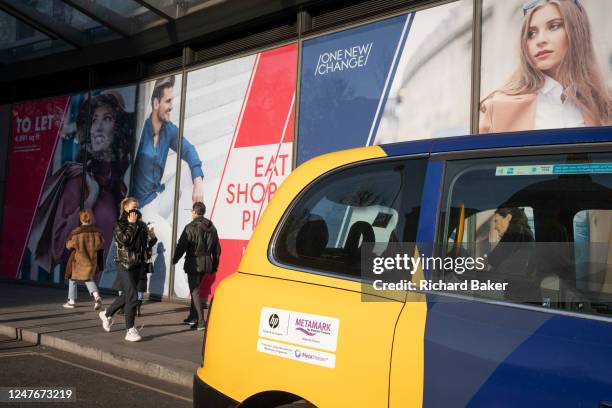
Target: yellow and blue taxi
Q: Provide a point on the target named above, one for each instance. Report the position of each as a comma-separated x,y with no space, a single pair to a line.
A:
301,323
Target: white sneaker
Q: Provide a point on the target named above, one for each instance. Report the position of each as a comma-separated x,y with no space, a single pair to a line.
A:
107,322
133,335
69,305
97,303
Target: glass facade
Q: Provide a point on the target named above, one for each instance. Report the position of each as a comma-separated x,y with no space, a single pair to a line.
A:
406,77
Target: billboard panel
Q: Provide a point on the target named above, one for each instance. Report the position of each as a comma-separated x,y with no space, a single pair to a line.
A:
387,81
545,66
154,173
239,116
68,153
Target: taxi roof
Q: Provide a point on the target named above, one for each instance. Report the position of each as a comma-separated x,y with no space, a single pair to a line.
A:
501,140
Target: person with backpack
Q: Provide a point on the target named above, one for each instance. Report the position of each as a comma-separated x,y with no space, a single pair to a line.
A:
200,244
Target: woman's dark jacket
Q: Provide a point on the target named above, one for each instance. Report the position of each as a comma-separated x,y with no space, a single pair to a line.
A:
515,245
133,242
512,261
200,244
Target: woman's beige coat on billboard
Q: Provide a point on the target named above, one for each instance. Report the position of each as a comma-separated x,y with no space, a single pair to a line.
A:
512,113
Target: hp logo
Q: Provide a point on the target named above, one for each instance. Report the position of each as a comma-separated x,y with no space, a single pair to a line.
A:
274,321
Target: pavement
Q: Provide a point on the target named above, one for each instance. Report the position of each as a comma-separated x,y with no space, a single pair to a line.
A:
169,351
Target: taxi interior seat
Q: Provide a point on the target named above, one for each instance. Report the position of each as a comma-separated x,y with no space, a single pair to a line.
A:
555,262
312,238
359,233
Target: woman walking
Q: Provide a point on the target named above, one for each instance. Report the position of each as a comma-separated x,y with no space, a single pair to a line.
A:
133,239
84,243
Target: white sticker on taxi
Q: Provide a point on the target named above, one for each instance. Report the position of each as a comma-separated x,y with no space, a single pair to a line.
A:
303,329
292,352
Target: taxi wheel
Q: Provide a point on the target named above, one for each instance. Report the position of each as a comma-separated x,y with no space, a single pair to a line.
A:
297,404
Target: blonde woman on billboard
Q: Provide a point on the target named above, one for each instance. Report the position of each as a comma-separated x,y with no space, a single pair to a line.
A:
558,83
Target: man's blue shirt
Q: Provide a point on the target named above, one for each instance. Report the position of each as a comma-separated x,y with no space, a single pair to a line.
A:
151,160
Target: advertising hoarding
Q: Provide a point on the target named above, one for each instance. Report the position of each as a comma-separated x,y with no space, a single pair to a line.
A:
239,116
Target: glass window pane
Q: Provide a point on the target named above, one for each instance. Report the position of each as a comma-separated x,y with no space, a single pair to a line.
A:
532,89
387,81
140,17
543,229
20,41
86,30
64,13
373,203
14,33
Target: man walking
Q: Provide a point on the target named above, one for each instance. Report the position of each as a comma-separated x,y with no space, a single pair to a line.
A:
200,244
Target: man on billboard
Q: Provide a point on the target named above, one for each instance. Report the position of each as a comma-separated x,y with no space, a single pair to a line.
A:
154,192
159,135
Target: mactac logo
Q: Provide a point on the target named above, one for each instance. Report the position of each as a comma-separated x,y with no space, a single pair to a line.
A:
343,59
273,321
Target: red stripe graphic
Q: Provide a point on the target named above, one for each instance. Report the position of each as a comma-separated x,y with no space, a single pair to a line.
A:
270,98
266,118
282,138
236,129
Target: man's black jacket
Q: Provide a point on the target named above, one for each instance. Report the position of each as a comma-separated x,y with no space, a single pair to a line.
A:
200,244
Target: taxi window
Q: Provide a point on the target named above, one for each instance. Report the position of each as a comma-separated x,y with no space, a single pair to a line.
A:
543,224
376,202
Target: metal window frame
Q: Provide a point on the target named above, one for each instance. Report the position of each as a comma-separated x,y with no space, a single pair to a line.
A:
177,184
159,12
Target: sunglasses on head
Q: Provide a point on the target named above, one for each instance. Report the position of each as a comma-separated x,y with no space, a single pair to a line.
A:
530,4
